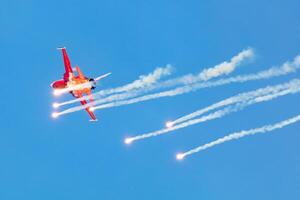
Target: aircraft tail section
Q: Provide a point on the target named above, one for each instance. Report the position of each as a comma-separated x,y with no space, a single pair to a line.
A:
67,63
80,74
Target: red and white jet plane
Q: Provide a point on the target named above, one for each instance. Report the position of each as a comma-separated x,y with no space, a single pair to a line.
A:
77,85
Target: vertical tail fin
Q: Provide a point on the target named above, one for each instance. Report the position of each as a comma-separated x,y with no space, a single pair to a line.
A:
80,74
67,63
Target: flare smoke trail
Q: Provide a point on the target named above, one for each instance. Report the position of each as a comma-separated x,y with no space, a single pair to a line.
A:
238,135
150,82
243,97
214,115
224,68
277,91
142,82
286,68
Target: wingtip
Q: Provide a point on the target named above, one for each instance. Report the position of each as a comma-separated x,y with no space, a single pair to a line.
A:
60,48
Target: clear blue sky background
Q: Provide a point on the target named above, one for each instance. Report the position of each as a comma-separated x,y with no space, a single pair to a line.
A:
70,158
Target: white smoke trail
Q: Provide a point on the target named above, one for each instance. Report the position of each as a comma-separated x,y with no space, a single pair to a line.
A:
224,68
150,82
142,82
214,115
242,97
277,91
90,105
238,135
98,101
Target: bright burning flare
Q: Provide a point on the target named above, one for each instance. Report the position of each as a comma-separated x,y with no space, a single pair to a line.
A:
57,92
169,124
55,115
91,109
128,140
179,156
55,105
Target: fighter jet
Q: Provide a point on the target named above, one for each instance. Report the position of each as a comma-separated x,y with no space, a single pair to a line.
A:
78,85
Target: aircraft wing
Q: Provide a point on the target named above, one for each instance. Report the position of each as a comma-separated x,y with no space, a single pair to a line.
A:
91,113
67,63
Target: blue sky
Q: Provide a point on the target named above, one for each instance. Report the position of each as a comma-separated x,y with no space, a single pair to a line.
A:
70,158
